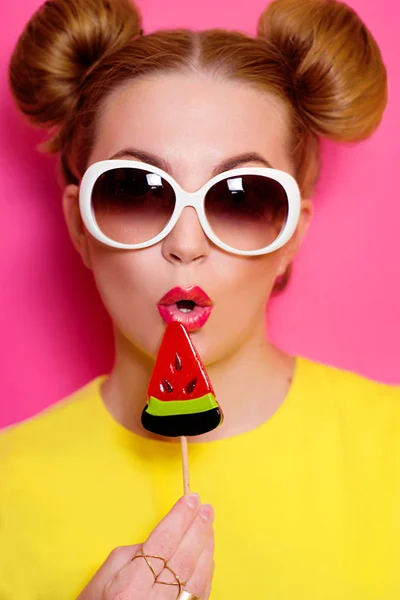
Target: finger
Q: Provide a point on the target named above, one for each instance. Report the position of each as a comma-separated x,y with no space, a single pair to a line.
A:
165,539
115,561
200,581
184,560
137,575
207,592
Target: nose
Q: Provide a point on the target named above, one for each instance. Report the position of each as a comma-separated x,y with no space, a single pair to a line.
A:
187,242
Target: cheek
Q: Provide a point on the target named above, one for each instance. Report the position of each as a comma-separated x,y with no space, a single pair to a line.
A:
127,284
124,277
249,275
242,288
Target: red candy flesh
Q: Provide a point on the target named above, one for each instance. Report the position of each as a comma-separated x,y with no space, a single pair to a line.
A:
178,366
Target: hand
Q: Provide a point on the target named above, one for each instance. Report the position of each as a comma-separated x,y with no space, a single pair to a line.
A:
185,538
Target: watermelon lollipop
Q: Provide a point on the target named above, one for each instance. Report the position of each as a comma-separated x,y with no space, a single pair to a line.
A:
181,400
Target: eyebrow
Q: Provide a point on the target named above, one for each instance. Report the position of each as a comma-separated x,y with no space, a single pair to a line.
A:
226,165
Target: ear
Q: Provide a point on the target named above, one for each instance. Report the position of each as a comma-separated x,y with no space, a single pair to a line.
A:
76,228
292,247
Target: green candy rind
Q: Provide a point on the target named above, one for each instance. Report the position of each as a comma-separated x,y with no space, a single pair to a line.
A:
169,408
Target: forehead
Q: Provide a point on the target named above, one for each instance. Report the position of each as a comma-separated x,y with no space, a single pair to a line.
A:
193,122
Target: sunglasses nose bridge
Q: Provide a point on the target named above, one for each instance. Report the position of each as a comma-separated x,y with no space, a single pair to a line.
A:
193,199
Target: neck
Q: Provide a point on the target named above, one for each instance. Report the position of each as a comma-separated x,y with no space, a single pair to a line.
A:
268,369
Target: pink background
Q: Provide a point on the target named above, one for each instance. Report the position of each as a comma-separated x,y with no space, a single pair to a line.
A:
342,306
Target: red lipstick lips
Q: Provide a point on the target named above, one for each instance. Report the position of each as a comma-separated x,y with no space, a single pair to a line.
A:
189,306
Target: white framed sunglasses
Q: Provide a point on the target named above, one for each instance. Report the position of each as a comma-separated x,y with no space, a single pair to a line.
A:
248,211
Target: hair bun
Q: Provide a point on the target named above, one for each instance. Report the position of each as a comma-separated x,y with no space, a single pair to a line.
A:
337,77
63,40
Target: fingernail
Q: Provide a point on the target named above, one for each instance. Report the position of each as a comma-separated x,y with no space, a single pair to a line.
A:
206,512
192,500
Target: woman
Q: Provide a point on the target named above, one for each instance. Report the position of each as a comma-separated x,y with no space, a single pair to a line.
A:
304,472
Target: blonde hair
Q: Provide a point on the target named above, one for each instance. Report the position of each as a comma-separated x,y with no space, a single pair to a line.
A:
315,56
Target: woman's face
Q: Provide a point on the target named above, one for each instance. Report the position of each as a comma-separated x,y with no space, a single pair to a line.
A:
192,123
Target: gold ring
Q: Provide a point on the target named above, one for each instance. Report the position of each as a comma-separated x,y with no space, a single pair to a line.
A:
177,581
187,596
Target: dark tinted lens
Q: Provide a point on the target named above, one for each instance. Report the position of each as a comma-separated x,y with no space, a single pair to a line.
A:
132,206
247,212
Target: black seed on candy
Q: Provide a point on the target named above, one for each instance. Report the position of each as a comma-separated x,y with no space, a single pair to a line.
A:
191,385
178,362
168,387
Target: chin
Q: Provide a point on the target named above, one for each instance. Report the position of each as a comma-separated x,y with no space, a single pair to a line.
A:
210,340
211,347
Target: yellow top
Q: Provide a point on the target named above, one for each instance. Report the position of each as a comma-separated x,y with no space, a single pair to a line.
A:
307,505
